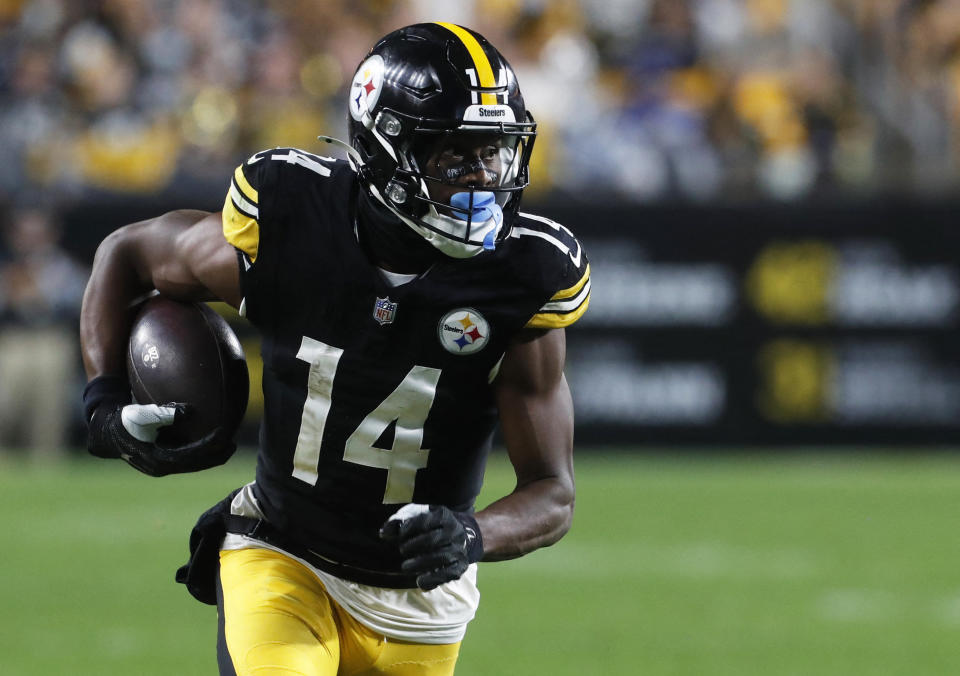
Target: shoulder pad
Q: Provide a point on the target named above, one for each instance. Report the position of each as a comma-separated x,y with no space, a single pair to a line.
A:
569,278
242,215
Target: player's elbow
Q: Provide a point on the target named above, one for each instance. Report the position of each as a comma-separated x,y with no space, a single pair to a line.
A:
563,506
567,509
111,245
115,252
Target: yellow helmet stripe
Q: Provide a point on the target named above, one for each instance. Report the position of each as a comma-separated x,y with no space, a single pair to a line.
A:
480,60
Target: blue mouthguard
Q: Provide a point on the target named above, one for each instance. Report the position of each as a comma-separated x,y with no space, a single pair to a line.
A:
485,207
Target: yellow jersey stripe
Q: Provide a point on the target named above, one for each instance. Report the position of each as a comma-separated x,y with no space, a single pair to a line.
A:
240,230
245,187
568,304
242,203
480,60
551,320
575,289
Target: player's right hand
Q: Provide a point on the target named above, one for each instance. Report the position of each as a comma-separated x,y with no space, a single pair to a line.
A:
117,429
129,432
144,421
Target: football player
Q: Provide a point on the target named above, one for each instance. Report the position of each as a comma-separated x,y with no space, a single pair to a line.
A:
406,307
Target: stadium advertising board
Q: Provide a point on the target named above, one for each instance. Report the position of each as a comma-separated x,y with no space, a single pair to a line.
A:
768,325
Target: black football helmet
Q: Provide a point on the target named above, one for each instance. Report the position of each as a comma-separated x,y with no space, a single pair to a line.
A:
430,87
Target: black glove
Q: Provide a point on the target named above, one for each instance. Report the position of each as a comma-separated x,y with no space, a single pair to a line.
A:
107,437
437,544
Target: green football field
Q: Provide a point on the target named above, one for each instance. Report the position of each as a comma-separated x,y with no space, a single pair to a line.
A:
769,565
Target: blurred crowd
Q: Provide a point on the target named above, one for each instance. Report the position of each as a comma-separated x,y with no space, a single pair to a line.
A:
637,99
41,287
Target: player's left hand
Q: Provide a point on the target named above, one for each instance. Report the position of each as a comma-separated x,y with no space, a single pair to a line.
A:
437,544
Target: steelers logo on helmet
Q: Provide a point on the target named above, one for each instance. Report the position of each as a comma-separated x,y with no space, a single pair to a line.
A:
463,331
366,87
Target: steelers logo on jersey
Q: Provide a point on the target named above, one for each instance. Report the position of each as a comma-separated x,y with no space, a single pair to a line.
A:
463,331
366,86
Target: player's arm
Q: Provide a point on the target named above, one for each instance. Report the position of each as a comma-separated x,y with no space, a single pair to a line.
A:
536,415
536,419
184,255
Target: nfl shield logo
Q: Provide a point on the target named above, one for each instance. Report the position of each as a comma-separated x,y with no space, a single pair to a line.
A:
384,311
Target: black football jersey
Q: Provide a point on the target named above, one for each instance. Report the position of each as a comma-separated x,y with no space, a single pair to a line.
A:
377,395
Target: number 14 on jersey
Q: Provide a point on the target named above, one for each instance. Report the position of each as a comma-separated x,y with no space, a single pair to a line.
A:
407,407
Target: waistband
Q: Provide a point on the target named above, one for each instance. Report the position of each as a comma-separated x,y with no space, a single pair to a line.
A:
262,530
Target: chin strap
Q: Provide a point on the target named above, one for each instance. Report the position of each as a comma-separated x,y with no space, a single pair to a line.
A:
352,153
489,240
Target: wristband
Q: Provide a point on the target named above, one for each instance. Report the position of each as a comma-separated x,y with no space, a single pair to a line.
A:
105,389
474,539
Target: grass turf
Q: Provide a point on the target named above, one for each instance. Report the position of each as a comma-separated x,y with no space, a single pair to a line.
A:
805,564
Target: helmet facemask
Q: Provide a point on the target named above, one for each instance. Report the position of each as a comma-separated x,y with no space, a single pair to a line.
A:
454,186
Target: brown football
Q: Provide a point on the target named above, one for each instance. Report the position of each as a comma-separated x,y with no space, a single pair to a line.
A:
186,353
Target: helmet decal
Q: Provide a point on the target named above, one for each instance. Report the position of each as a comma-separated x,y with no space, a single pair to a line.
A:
489,113
366,88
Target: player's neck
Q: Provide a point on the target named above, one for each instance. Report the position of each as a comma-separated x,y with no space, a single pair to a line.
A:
389,243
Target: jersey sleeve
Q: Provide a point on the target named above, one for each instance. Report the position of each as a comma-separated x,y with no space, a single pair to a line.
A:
241,209
252,220
569,278
274,211
565,307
